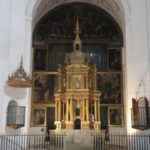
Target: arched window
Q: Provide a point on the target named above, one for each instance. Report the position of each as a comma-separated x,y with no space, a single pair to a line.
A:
11,113
15,115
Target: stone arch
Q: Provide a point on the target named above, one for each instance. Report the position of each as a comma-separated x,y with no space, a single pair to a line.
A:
120,9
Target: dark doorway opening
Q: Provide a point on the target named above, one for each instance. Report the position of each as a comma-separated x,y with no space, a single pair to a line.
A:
77,124
50,118
104,117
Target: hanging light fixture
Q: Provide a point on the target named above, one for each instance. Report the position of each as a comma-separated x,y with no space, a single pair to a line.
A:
19,78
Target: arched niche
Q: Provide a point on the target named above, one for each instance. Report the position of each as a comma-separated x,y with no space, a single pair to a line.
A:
119,9
11,113
15,115
102,39
35,9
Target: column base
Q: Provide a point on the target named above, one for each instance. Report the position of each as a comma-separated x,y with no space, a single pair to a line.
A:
69,124
85,125
58,125
97,125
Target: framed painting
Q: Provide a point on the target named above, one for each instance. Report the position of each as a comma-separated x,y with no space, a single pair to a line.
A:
114,59
43,88
40,59
110,86
38,117
115,116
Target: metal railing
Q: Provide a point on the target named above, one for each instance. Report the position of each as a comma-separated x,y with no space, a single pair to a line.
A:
56,142
121,142
31,142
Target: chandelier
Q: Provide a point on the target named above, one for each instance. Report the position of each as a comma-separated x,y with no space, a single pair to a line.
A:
19,78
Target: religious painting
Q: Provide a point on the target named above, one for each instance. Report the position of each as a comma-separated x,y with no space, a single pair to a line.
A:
40,59
110,86
94,24
97,56
38,117
76,82
114,59
43,88
140,112
56,55
115,116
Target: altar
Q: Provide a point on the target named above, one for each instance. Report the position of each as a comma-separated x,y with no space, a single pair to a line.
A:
77,100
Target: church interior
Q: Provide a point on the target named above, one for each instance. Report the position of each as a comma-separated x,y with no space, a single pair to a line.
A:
75,75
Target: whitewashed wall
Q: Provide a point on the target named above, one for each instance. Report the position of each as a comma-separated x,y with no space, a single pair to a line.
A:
137,55
4,54
15,40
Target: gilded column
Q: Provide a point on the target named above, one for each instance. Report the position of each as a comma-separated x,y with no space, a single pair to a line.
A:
87,109
63,111
59,110
98,105
95,110
67,108
87,82
71,112
83,113
56,119
84,110
81,102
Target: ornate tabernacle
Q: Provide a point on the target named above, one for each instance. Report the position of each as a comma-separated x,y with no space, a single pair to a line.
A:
77,101
19,78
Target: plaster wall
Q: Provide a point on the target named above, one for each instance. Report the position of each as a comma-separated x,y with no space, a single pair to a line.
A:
137,57
15,41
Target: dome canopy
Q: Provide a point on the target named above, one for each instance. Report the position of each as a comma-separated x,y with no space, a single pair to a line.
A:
19,78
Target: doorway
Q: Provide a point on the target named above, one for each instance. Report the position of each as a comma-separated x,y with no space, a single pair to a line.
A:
50,118
77,124
104,117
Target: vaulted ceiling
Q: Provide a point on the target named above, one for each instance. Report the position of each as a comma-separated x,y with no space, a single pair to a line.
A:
94,23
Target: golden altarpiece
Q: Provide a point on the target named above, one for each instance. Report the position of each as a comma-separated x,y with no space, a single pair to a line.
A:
76,96
102,42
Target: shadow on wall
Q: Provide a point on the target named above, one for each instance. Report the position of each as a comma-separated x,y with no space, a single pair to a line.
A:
15,93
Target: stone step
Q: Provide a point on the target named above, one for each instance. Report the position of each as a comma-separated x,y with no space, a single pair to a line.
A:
71,146
77,140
